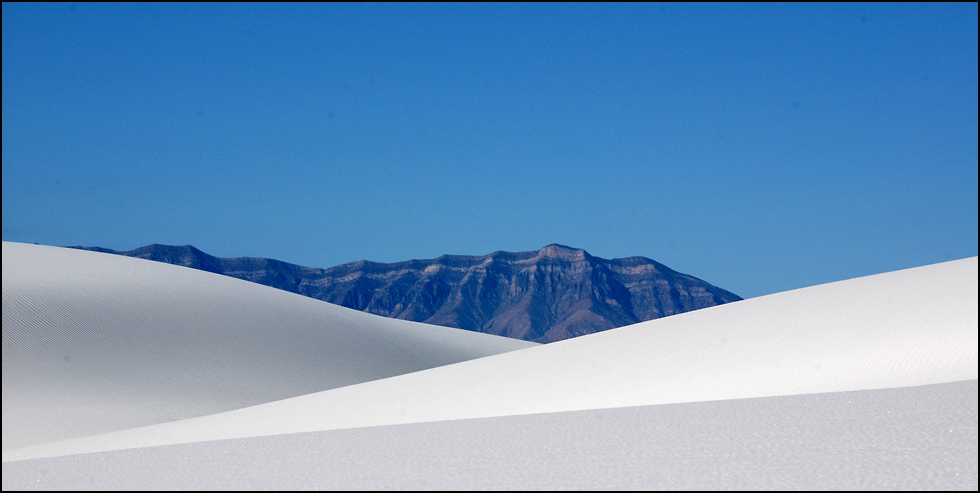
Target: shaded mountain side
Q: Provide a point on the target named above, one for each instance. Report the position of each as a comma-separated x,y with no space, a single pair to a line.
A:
548,295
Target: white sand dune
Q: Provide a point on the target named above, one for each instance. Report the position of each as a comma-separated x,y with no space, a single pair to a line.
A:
95,342
865,383
909,438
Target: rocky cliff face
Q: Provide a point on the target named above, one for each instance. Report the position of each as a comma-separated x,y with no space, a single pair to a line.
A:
552,294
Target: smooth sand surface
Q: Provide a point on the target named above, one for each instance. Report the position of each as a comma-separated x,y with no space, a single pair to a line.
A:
909,438
95,342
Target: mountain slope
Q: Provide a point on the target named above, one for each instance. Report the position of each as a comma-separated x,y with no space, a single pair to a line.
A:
548,295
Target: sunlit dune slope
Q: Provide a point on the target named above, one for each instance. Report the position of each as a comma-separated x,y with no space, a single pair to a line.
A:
899,329
95,342
907,438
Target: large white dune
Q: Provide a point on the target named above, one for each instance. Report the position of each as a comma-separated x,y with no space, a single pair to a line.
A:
95,342
869,382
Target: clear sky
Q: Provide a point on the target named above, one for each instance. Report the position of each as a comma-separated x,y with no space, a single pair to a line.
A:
758,147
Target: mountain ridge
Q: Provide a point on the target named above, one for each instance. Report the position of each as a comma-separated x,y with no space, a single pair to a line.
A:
547,295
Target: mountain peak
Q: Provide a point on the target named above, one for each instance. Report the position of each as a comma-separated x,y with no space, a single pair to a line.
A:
563,252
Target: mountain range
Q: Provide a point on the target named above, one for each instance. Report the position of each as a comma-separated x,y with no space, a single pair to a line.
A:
548,295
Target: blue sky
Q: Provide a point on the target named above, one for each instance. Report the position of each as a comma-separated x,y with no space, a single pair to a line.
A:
758,147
